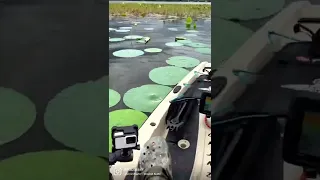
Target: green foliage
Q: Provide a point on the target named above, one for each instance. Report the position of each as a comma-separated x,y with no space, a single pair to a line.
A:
189,20
143,10
188,26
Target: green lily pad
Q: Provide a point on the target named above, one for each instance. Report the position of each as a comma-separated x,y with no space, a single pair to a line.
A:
153,50
63,165
146,98
122,30
173,44
104,81
183,61
197,45
203,50
246,9
167,75
114,97
184,42
144,40
125,28
172,29
190,35
125,117
78,116
133,37
179,38
17,115
192,31
128,53
228,38
116,39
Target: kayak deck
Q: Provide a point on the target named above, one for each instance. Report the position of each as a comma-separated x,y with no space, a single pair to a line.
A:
155,126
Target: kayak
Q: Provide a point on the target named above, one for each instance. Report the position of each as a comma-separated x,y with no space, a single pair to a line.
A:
189,145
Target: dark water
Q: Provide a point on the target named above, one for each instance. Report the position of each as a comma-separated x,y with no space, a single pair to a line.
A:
127,73
45,48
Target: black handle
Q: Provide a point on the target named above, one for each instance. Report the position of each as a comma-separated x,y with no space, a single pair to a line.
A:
309,20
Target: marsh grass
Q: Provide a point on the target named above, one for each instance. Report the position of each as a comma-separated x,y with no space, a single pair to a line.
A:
144,10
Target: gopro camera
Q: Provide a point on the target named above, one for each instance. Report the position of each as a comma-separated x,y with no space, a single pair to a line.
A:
124,137
205,104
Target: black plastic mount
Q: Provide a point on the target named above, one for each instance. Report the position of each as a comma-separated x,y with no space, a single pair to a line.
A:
314,51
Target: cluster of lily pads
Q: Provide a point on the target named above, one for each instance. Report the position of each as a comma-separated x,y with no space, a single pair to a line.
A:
18,114
146,98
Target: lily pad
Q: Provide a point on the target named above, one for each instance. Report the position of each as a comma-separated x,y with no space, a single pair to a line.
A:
34,166
173,44
246,9
144,40
146,98
125,117
183,61
116,39
184,42
190,35
77,117
125,28
122,30
149,29
172,29
133,37
128,53
203,50
228,38
153,50
114,97
197,45
17,115
167,75
192,31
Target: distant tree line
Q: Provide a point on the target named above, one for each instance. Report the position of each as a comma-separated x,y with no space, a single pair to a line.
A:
170,0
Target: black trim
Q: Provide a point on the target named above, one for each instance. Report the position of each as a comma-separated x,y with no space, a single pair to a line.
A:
176,89
309,20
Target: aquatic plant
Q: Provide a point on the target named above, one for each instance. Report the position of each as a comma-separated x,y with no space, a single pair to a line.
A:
143,10
190,22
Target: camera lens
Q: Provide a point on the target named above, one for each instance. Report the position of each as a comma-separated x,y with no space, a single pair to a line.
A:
130,140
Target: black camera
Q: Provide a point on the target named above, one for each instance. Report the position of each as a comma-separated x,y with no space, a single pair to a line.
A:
124,141
124,137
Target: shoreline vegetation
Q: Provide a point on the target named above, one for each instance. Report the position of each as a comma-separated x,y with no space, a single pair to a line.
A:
159,10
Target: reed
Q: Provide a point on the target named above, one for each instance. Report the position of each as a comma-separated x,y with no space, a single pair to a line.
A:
145,10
